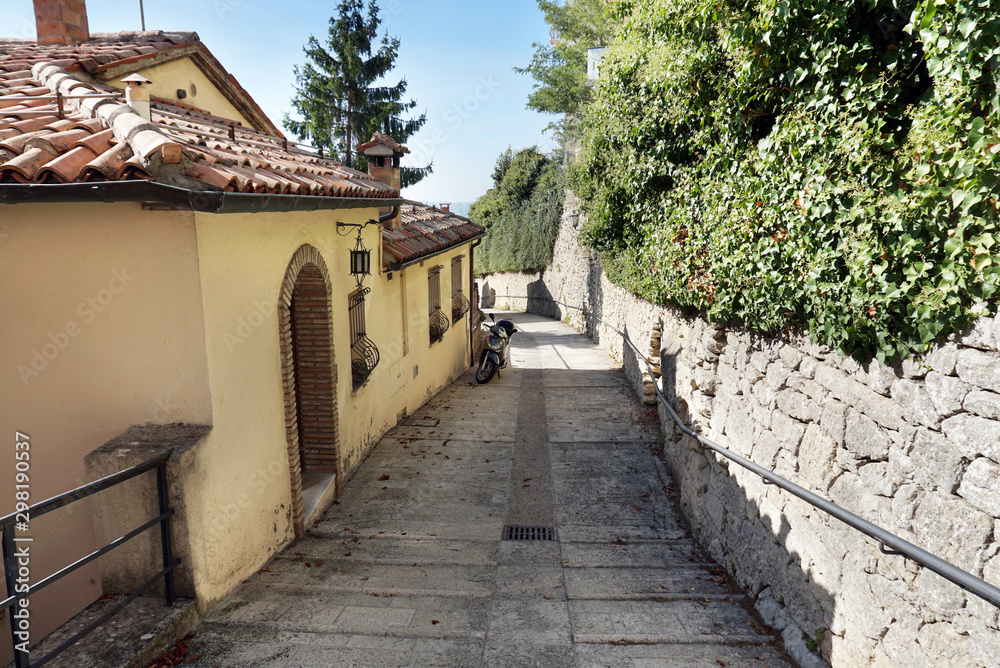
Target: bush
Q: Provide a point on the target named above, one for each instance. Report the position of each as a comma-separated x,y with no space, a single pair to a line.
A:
521,213
801,164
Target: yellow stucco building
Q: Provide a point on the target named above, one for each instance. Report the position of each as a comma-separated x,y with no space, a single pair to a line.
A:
193,267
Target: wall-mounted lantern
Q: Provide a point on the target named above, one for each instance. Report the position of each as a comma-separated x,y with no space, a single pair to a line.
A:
361,261
574,219
361,257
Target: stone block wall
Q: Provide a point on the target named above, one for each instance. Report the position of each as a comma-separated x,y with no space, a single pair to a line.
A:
913,448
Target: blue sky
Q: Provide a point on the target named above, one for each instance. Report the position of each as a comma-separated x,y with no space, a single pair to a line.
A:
456,57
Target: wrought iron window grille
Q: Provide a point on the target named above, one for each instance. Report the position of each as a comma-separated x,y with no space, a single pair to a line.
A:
364,353
459,307
439,324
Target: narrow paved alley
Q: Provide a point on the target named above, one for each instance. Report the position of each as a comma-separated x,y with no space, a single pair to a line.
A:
410,569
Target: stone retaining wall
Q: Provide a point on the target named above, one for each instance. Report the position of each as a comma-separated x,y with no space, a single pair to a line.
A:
914,449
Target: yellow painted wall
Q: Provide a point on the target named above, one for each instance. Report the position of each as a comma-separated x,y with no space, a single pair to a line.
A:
172,317
182,73
100,328
243,260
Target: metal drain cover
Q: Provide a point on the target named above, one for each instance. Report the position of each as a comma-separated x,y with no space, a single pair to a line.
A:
514,532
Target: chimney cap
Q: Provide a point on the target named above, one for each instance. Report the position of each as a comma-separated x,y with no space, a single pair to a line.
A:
383,145
136,79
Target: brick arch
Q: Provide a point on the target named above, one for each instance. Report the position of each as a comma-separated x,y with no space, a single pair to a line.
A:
308,373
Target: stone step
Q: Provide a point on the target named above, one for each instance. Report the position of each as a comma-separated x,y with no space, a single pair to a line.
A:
674,655
612,582
236,647
665,598
366,577
666,621
387,624
403,614
297,586
659,639
424,511
336,562
381,549
409,529
143,630
609,532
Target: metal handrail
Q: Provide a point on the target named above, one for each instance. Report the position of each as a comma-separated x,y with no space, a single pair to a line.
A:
9,522
889,543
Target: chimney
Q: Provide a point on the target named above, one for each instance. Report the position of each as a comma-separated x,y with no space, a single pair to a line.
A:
383,154
137,94
445,206
61,22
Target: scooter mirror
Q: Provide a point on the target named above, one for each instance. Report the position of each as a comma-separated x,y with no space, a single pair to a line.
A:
492,318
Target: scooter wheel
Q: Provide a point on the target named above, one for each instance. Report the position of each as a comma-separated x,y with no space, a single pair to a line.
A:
485,371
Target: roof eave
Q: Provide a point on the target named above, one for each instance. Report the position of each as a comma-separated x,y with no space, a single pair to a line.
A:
205,201
396,266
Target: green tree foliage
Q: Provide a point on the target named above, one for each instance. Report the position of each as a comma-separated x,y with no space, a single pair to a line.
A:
560,69
818,165
521,213
337,103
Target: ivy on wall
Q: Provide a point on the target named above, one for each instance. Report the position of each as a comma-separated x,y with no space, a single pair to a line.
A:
822,165
521,213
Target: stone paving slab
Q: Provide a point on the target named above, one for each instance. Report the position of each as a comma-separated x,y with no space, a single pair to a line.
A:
408,567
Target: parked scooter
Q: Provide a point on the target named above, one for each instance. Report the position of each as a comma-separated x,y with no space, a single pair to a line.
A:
495,351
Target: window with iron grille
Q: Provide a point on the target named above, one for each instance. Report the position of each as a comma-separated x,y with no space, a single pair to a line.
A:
364,353
439,323
459,302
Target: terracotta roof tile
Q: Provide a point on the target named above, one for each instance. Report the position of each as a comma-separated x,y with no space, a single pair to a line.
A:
382,139
425,230
108,166
36,145
67,167
107,55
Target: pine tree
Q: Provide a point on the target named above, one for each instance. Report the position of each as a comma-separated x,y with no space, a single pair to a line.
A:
335,99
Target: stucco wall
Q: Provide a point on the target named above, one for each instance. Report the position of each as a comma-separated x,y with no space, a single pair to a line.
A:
182,73
913,448
101,328
161,317
243,260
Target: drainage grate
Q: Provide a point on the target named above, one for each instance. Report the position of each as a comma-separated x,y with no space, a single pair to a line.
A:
514,532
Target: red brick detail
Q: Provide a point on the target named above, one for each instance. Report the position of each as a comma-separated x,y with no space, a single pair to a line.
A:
309,374
61,22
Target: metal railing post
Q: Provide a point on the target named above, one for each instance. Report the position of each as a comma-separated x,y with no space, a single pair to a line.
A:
165,538
21,659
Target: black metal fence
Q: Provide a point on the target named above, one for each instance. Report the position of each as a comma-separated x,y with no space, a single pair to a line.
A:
18,592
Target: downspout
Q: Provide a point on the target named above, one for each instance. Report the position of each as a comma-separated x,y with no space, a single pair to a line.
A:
389,216
472,277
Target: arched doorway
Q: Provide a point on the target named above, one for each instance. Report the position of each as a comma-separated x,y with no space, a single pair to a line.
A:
309,376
